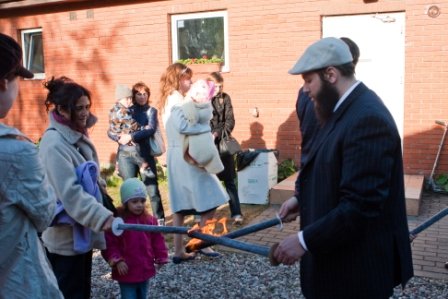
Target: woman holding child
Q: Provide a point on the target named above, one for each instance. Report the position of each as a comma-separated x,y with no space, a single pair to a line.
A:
134,156
192,189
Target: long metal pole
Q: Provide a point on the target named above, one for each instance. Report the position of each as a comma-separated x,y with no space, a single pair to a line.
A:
253,248
428,223
118,226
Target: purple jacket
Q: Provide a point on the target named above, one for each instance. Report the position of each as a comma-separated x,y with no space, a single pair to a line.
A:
140,250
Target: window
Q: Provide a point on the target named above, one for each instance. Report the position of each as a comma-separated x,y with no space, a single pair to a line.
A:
200,35
33,52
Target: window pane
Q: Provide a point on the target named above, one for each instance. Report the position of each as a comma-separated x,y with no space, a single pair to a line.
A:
33,58
203,37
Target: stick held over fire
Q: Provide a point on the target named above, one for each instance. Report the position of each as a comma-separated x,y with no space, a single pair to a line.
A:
238,233
118,227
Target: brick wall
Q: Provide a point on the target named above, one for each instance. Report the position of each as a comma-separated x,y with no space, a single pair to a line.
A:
102,46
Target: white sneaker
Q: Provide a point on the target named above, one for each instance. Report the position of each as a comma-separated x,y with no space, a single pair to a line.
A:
238,220
161,222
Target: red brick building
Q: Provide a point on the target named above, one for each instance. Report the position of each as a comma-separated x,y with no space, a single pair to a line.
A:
102,43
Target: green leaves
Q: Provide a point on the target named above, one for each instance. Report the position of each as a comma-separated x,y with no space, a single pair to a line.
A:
285,169
203,60
442,181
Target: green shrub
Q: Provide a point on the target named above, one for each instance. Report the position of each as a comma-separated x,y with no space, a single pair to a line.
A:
285,169
113,181
442,181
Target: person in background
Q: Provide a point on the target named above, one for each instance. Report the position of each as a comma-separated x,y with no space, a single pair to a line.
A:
134,150
354,238
223,119
120,119
121,122
175,82
192,189
135,255
27,201
64,147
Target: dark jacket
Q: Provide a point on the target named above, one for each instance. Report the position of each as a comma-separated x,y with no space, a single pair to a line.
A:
146,127
223,119
352,204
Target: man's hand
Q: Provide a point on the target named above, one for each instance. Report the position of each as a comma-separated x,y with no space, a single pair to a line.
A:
122,268
289,250
289,210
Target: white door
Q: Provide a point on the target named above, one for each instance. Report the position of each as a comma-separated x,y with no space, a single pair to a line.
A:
380,38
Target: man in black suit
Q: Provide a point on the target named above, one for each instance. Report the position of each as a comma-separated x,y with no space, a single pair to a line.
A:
354,239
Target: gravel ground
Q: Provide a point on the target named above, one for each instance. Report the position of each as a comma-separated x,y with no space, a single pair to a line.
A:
236,275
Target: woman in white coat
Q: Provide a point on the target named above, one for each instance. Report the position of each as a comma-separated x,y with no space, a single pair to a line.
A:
192,189
27,202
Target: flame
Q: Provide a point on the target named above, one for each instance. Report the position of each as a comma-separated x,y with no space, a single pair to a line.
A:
212,227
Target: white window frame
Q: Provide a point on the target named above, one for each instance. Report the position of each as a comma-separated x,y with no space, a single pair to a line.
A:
26,53
201,15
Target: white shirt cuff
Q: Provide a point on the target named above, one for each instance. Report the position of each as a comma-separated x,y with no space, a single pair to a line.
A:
302,240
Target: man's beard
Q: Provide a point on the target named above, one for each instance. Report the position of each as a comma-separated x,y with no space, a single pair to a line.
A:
325,100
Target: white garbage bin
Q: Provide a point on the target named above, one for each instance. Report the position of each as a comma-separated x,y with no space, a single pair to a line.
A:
256,179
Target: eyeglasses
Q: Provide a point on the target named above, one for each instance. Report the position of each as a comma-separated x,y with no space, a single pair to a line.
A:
141,94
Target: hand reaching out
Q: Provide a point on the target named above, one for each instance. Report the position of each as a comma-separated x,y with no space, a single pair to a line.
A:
122,268
289,210
125,139
108,223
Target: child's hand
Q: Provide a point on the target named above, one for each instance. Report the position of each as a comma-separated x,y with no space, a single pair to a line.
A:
125,139
122,268
159,266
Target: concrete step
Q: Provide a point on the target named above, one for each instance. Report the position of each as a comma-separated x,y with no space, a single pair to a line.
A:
413,185
283,190
413,192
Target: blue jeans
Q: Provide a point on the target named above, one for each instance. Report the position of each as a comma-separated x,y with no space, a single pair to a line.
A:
137,290
129,163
